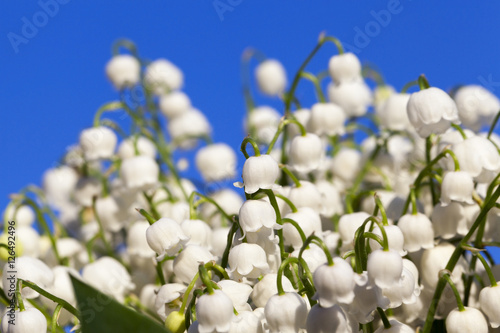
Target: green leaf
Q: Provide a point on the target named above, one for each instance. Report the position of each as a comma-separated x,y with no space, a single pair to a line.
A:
101,313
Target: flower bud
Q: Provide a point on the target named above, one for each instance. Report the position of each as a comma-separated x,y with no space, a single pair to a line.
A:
176,322
174,104
139,172
327,119
97,143
216,162
162,76
489,302
123,71
353,97
271,77
344,67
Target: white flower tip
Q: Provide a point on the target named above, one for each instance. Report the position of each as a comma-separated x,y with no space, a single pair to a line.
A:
238,184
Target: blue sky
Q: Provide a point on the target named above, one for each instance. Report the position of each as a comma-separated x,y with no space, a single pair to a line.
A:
52,64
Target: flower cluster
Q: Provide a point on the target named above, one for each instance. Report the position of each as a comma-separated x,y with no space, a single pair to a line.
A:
370,210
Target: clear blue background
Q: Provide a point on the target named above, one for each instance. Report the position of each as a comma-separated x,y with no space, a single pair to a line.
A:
52,86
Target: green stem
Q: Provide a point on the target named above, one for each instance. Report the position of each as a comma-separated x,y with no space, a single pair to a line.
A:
45,227
55,316
311,77
202,270
407,86
102,233
487,267
481,218
19,286
146,215
230,236
53,298
254,145
381,208
446,277
188,291
281,128
423,83
111,106
296,226
128,44
290,174
288,202
428,146
386,322
493,124
279,232
460,130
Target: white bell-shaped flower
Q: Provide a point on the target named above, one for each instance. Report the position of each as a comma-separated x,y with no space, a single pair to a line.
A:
198,232
98,143
271,77
393,115
162,76
187,261
109,276
476,106
305,195
457,186
385,268
306,152
30,320
169,299
137,243
395,238
260,172
469,320
264,120
23,216
266,287
188,126
247,260
126,149
110,213
216,162
417,231
477,156
489,301
247,322
353,97
431,111
174,104
348,224
396,327
365,300
434,260
286,313
256,214
58,185
165,237
29,269
327,119
344,67
449,220
334,284
346,164
308,220
214,312
407,290
238,293
139,172
331,201
123,71
327,319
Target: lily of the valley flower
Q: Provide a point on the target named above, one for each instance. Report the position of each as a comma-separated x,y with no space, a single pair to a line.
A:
165,237
123,71
259,172
30,320
271,77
